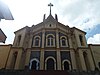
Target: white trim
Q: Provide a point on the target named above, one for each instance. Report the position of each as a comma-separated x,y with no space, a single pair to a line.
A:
66,41
46,62
36,64
68,62
47,40
35,40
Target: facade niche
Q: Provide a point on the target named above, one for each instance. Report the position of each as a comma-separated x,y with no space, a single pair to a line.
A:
14,59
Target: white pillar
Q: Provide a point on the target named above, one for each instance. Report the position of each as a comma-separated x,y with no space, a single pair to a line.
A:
73,59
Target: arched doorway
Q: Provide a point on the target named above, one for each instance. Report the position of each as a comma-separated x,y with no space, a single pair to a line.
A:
50,63
34,64
66,65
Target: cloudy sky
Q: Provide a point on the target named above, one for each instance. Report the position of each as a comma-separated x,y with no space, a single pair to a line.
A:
83,14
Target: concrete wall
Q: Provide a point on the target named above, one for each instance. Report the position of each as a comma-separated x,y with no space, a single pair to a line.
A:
95,49
4,53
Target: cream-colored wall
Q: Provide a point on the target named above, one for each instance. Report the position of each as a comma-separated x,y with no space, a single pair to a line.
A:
95,49
18,59
4,53
89,59
77,33
22,33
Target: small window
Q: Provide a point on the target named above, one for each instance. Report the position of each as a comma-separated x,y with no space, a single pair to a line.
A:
63,41
37,41
19,39
81,40
50,25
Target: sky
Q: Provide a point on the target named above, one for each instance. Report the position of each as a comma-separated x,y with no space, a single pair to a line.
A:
83,14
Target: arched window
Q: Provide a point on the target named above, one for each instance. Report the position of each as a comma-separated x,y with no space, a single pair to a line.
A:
50,63
34,64
50,40
36,42
63,41
18,40
66,65
81,40
86,60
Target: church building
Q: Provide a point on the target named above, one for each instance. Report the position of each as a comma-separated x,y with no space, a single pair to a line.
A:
49,45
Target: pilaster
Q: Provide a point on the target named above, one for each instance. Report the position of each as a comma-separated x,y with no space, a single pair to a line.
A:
58,60
42,60
17,64
82,62
57,38
43,38
73,61
70,41
27,60
30,41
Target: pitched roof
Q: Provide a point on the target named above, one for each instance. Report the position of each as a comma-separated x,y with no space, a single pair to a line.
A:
2,36
5,12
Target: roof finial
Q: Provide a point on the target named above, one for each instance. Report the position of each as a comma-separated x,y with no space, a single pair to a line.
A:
50,7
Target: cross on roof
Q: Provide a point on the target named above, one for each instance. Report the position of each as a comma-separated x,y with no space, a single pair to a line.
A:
50,6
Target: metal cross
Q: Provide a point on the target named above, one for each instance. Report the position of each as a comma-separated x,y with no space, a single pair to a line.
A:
50,6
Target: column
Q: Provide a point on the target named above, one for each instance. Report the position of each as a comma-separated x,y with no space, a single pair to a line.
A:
58,60
42,51
82,63
30,41
42,60
43,38
70,41
90,58
57,39
73,59
58,51
17,64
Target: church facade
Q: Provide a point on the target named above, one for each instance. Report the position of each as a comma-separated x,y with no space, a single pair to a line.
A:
49,45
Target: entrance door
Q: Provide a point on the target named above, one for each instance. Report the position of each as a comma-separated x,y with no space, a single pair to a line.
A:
50,64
